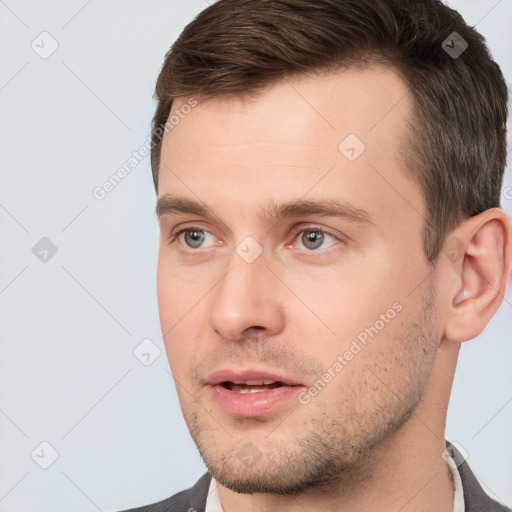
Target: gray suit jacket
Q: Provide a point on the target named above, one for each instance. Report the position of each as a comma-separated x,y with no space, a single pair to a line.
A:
194,499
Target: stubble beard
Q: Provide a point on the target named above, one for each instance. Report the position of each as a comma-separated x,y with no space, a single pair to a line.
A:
337,445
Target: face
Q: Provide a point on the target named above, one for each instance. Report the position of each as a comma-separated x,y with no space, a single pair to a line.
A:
295,300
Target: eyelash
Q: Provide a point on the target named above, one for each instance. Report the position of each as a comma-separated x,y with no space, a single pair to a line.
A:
295,233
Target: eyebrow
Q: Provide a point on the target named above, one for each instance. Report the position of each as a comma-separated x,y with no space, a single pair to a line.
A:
169,204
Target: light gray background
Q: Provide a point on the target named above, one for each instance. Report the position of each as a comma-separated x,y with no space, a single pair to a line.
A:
69,326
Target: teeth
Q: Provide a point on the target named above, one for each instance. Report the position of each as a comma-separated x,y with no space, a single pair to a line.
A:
251,386
248,391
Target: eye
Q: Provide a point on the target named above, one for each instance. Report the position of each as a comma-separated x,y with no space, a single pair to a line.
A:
195,238
313,239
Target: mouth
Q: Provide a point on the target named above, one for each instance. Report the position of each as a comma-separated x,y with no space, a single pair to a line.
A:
252,386
251,393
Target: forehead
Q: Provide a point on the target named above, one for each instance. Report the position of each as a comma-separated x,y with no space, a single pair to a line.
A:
340,98
304,135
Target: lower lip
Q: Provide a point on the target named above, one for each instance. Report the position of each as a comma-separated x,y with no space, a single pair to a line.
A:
253,404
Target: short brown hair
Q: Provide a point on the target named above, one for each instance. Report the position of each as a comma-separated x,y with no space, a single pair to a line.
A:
456,149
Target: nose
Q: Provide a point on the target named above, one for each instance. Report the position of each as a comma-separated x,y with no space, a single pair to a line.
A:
247,302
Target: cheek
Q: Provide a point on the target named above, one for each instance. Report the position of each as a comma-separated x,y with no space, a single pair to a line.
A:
338,304
176,293
180,310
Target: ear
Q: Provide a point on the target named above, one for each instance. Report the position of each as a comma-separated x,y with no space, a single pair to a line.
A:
479,254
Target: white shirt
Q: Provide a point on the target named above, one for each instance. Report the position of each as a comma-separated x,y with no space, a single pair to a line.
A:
458,492
213,503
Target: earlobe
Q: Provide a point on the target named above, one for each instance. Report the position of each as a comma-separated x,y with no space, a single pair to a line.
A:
482,272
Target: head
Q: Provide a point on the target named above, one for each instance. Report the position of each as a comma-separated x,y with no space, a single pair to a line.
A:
329,179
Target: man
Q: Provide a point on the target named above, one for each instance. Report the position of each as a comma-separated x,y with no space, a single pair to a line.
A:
328,176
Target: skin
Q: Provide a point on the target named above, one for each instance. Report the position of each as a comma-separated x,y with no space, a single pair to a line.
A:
372,438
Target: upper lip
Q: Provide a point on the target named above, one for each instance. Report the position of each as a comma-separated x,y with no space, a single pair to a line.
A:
251,374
